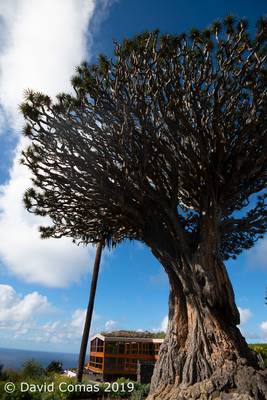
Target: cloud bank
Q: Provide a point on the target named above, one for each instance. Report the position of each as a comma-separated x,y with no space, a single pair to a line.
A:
16,308
20,319
164,324
257,257
42,42
245,315
263,327
51,262
110,325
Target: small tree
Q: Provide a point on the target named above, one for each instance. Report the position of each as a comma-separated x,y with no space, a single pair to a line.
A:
54,366
32,369
166,144
2,373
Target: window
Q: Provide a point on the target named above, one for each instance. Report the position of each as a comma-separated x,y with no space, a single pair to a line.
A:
134,348
97,345
130,364
100,345
111,348
127,348
145,348
157,346
111,363
149,348
121,348
96,362
121,363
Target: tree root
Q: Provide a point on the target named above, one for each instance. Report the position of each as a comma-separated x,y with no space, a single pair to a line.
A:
230,383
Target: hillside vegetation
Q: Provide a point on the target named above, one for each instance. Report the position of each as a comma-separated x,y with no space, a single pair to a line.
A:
260,348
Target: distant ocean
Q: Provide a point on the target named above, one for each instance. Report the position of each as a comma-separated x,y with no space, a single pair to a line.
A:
13,358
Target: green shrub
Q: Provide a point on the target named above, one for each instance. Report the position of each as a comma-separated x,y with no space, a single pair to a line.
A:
262,350
139,392
54,366
9,375
17,394
32,369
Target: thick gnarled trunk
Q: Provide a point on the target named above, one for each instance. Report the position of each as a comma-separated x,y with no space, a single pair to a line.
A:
204,355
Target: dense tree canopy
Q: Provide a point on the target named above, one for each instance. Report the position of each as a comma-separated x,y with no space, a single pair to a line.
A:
169,133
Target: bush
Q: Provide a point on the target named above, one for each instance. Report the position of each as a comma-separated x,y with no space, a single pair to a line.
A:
3,375
17,394
32,369
139,392
54,366
262,350
10,375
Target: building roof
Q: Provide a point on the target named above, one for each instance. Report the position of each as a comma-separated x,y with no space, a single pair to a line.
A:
156,337
135,334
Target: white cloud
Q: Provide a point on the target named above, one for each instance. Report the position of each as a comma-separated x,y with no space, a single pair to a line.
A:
257,336
59,332
16,309
51,262
62,331
164,324
245,315
43,42
257,256
19,320
159,279
263,326
110,325
46,39
65,331
78,318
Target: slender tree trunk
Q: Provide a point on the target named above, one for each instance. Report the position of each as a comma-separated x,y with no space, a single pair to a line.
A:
89,313
204,355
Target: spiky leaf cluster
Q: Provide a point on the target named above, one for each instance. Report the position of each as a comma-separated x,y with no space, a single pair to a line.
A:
169,136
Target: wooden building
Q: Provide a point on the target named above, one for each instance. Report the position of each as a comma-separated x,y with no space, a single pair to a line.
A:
116,354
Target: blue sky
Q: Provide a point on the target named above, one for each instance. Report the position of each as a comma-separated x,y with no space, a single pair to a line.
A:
44,285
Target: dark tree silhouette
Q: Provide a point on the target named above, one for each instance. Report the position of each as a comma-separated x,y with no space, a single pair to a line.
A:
54,366
166,144
32,369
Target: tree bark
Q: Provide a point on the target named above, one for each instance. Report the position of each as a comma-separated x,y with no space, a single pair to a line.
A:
204,355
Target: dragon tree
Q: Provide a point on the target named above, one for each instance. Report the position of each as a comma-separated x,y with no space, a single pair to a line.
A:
165,143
